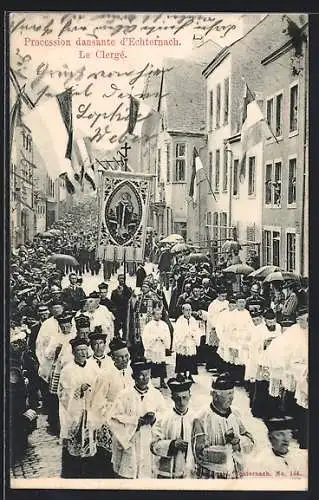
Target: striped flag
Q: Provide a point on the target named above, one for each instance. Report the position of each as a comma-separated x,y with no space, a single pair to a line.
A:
84,159
139,113
254,128
65,104
196,167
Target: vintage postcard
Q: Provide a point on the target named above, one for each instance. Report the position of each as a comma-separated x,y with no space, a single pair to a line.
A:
159,250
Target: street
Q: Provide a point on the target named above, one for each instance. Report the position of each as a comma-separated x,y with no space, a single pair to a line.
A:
42,459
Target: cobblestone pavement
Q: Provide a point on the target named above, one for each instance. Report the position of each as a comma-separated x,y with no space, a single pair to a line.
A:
42,458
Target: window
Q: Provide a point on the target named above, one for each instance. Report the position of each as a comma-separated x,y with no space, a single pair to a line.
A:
267,248
291,252
270,112
158,165
168,162
218,96
225,172
211,109
223,226
180,161
226,100
293,109
251,176
210,169
277,184
235,177
276,248
279,109
292,181
268,181
215,225
217,170
209,218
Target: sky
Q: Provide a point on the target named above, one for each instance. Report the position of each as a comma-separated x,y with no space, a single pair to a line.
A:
53,51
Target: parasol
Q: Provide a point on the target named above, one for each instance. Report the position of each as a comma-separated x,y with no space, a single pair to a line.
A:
179,247
281,276
230,245
192,258
263,272
47,234
173,238
60,258
239,269
55,232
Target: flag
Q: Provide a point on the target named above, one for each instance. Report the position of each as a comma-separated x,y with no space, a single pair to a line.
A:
51,136
138,113
196,167
82,156
65,104
254,127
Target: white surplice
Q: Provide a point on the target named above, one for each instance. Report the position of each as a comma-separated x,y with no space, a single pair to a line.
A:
76,410
186,336
168,427
293,465
131,454
156,339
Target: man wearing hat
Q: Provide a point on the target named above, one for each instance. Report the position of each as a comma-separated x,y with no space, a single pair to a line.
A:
98,344
82,325
281,458
290,305
98,315
186,340
120,297
224,329
132,416
215,308
172,433
219,437
73,294
49,328
58,353
156,340
77,392
255,301
104,300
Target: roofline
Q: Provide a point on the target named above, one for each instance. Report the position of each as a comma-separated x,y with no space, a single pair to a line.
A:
187,134
215,62
280,50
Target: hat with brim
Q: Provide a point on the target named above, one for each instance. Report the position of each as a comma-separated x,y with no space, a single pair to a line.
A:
223,382
94,295
280,423
103,286
65,319
116,344
82,321
179,384
140,364
269,314
256,313
301,311
78,341
286,323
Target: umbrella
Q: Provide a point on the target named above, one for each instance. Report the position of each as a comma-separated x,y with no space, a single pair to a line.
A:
281,276
47,234
263,272
192,258
179,247
239,269
230,245
173,238
55,232
60,258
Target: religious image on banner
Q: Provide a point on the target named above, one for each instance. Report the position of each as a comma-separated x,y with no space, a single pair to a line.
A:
123,216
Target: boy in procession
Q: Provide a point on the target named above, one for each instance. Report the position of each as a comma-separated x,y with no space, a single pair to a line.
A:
172,433
132,416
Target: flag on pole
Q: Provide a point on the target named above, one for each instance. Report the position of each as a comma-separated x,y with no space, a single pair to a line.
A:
196,167
139,112
254,127
83,158
65,104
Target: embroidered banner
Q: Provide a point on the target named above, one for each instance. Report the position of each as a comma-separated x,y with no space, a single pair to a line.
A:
124,201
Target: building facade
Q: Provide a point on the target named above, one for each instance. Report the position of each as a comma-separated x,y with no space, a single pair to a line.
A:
285,197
